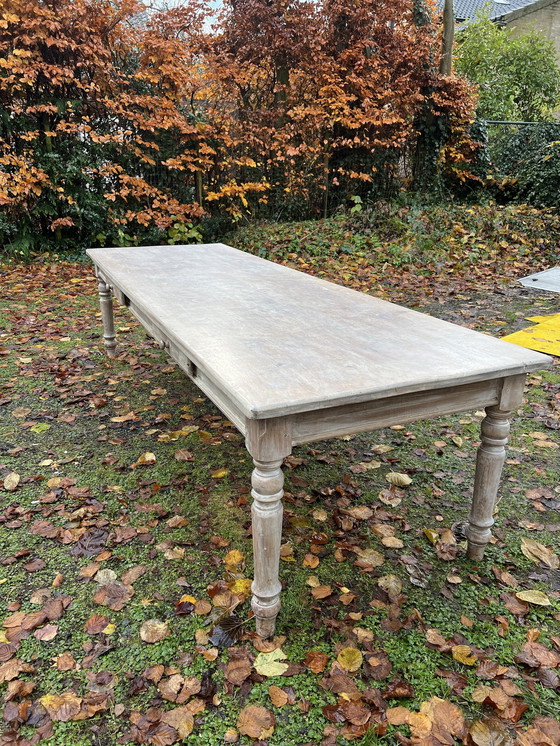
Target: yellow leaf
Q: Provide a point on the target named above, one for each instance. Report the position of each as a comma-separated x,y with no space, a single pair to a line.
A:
270,664
109,629
463,654
11,482
350,659
219,473
146,459
233,558
40,427
534,597
539,553
431,535
241,586
369,558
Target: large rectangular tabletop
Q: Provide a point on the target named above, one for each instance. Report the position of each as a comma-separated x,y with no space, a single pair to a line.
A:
291,358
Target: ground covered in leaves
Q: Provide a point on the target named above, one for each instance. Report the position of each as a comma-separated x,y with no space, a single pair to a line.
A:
125,557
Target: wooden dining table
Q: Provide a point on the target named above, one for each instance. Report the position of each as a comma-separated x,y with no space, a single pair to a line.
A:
290,358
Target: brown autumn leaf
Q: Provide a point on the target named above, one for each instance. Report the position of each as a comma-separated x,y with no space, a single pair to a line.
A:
256,722
183,455
33,620
46,633
10,670
378,665
434,637
90,543
310,560
369,558
321,591
170,687
114,595
153,630
278,696
440,717
397,715
391,584
535,654
62,707
360,512
514,605
239,666
65,662
356,713
505,577
489,733
96,624
181,719
398,689
129,416
316,661
132,574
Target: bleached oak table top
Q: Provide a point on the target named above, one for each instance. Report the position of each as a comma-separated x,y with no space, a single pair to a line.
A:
290,358
280,341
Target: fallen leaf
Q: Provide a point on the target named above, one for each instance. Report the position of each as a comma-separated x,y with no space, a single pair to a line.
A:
153,631
278,696
219,473
350,659
397,479
270,664
11,482
369,558
46,633
360,512
539,553
256,722
321,591
181,719
391,584
239,667
489,733
316,661
534,597
463,654
146,459
183,455
40,427
62,707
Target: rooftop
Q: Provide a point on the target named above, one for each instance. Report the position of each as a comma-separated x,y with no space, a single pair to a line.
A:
498,8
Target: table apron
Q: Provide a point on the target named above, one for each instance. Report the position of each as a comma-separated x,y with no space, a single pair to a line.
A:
395,410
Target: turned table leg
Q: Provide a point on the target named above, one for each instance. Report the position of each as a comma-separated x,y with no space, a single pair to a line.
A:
267,492
489,462
268,442
106,303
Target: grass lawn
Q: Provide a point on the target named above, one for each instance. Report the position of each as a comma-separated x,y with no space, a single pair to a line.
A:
125,546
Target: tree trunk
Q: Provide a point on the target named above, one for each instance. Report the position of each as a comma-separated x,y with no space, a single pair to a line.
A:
446,62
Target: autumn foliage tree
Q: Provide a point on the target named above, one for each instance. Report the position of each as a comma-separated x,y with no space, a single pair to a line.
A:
89,105
126,127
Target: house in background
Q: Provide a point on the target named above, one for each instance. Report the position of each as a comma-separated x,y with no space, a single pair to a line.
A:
518,16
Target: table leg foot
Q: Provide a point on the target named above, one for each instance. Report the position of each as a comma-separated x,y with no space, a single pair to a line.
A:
106,303
267,481
489,462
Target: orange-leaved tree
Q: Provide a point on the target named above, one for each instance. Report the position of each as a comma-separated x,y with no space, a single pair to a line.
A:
93,104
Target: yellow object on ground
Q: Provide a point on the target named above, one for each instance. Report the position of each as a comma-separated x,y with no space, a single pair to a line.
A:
544,337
